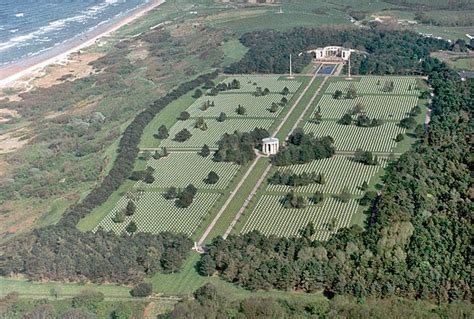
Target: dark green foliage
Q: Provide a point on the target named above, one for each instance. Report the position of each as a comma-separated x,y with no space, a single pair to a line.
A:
205,151
240,110
345,195
368,198
283,101
419,131
143,289
285,91
364,121
365,157
338,94
182,135
389,51
273,108
200,124
364,186
346,119
400,137
162,133
119,216
88,299
408,123
317,198
351,92
212,178
131,208
294,201
131,227
388,86
292,179
68,254
222,117
185,198
171,193
197,94
304,148
183,116
239,147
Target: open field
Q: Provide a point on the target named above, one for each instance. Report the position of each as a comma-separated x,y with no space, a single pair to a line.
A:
271,218
339,172
388,108
375,84
228,103
156,214
351,137
183,168
214,132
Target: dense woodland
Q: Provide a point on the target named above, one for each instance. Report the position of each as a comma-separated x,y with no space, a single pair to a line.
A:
389,52
418,240
239,147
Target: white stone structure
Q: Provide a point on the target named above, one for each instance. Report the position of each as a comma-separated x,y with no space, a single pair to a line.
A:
332,53
270,145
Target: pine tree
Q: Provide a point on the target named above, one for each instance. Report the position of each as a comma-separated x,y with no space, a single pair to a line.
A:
131,208
205,151
131,228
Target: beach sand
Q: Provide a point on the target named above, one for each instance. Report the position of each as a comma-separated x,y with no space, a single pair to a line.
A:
11,73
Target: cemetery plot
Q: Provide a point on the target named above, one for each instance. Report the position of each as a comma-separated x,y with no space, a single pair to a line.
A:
351,137
339,172
375,85
228,103
381,107
249,83
214,131
271,218
182,168
155,214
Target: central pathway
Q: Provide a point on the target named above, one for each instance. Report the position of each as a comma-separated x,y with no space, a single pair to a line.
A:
237,188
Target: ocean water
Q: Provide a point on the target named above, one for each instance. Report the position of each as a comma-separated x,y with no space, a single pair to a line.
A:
30,27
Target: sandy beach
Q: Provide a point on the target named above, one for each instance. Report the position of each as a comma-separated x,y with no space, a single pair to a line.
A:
11,73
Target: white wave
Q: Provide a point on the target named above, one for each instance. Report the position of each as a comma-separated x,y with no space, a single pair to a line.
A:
14,30
19,15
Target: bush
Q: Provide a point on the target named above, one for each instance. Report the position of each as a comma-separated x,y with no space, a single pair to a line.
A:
183,116
182,135
212,178
222,117
408,123
162,133
400,137
88,299
205,151
197,94
143,289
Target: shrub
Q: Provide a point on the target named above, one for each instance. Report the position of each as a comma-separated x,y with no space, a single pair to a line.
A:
143,289
182,135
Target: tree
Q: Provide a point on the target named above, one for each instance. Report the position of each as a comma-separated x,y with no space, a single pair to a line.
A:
162,133
351,92
171,193
364,186
285,91
317,198
186,196
368,198
337,95
222,117
131,227
240,110
419,131
119,217
346,119
205,151
283,101
408,123
212,178
400,137
183,116
273,108
143,289
182,135
200,124
131,208
197,94
345,195
207,266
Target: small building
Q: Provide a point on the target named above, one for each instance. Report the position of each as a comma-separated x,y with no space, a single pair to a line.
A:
331,53
270,145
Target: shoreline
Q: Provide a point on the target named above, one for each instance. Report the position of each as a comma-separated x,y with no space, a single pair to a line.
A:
20,69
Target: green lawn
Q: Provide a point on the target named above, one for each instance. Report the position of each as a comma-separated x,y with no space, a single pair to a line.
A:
30,289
